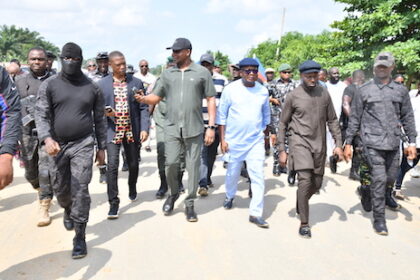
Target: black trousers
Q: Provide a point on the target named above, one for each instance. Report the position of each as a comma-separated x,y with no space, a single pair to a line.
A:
132,154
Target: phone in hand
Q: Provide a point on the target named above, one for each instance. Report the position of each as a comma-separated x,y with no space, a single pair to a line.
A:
137,91
108,109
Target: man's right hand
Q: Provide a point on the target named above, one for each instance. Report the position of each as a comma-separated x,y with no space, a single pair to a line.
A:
6,170
283,159
51,146
347,153
224,146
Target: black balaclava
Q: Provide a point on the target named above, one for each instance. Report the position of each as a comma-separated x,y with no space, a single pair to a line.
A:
72,70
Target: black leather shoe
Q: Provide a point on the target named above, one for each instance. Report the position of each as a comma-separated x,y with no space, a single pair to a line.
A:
283,170
380,228
291,178
365,199
228,203
190,214
168,206
258,221
67,221
390,202
305,231
79,242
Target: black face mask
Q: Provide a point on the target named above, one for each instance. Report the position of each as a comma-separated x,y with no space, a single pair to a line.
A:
71,69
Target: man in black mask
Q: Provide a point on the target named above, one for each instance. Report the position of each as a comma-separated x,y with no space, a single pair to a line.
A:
68,107
34,156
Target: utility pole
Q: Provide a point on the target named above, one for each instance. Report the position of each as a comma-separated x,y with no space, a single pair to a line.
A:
281,33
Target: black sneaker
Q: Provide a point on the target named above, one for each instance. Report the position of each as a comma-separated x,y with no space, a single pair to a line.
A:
305,231
190,214
113,212
291,178
133,197
380,228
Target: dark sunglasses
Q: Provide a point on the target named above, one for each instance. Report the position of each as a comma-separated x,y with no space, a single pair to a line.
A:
249,71
286,72
144,66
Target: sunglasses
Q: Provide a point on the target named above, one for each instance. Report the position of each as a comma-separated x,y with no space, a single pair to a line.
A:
249,71
91,65
144,66
286,72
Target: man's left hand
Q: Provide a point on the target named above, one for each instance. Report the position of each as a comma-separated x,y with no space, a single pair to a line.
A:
6,170
411,152
209,137
143,136
339,152
100,157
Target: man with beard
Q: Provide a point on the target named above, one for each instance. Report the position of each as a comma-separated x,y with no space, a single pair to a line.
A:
128,126
34,156
10,123
335,88
102,62
184,86
69,106
307,110
243,115
379,108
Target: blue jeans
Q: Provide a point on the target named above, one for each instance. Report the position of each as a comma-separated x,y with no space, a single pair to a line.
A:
208,156
404,168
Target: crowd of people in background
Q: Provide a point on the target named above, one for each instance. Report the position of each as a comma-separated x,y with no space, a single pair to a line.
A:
65,121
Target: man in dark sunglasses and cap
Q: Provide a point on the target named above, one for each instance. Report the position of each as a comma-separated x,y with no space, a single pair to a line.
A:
243,115
69,108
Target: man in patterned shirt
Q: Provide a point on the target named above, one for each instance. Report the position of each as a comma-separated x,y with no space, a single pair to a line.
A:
280,89
128,125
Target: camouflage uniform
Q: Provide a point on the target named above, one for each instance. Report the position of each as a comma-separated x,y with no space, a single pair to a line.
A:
278,89
34,157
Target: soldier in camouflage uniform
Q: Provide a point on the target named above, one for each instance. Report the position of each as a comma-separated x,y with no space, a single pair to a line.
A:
278,92
34,157
379,108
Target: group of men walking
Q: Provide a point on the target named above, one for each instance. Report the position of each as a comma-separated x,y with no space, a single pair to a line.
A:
77,118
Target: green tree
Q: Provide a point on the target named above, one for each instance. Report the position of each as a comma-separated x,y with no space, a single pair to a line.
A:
377,25
224,62
16,42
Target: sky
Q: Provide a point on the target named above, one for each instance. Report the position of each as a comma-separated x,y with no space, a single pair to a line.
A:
142,29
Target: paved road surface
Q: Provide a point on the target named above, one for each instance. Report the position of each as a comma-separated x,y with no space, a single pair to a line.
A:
144,244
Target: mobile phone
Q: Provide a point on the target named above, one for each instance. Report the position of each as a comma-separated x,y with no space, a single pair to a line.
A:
137,91
108,109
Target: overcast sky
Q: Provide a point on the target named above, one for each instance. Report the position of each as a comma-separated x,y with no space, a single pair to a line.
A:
144,28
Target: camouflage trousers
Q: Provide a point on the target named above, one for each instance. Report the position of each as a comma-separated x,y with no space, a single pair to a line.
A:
71,173
36,160
378,169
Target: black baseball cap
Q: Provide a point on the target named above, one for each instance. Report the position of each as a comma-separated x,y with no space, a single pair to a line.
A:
102,55
180,44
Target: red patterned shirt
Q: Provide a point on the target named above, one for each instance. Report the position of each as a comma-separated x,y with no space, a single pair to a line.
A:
122,114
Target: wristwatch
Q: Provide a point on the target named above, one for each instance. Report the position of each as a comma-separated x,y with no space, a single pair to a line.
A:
211,127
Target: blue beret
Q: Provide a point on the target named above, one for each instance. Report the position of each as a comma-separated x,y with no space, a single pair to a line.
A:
309,66
248,62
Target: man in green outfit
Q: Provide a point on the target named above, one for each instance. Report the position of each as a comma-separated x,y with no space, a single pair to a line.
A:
184,86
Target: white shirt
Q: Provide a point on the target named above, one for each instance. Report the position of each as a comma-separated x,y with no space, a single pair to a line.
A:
336,92
147,79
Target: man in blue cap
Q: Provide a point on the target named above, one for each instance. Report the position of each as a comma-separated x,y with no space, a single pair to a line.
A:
243,115
306,111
